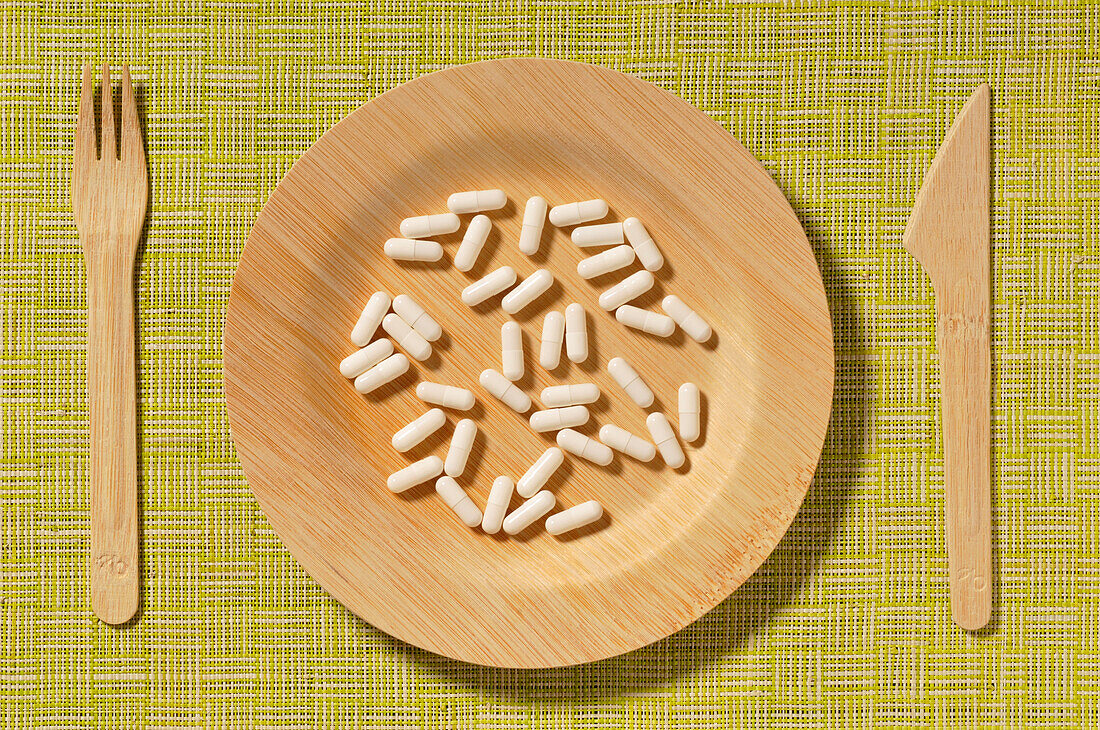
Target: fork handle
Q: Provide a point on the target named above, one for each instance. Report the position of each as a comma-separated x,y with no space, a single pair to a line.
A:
112,407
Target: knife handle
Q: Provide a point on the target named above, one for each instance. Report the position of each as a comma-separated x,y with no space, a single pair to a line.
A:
962,337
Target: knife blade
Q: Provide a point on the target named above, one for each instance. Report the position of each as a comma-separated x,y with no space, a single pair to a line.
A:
948,234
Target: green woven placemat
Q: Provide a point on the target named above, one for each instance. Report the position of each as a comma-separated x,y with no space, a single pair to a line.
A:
846,625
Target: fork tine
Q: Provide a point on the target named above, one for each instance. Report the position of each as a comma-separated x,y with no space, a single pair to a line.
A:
133,150
106,117
84,140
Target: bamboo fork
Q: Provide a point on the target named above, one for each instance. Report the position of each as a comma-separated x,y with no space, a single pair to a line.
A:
110,193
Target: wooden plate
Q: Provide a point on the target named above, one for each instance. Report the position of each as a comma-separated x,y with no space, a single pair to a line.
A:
673,543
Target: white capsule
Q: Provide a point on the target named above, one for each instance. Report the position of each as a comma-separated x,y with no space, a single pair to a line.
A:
363,360
629,288
472,242
572,394
667,444
475,201
580,445
622,440
511,351
555,419
573,518
456,498
502,389
418,429
602,263
447,396
642,242
525,515
415,473
540,472
489,285
414,315
406,337
534,217
497,504
646,321
406,249
685,316
528,291
422,226
603,234
689,411
553,334
462,442
382,373
570,214
629,380
576,333
367,324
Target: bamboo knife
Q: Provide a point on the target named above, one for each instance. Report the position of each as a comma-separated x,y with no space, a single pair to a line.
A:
948,234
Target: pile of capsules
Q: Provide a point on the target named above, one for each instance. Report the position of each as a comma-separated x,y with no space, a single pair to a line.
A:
413,329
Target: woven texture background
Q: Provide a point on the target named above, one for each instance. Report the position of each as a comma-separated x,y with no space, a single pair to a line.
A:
846,625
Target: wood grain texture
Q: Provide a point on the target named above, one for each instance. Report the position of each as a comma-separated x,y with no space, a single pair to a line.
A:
948,233
110,193
672,543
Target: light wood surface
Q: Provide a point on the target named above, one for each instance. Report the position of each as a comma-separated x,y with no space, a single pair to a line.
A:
109,199
948,233
672,543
